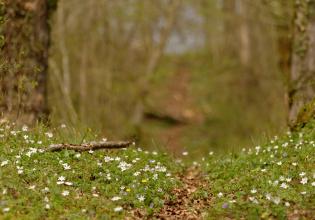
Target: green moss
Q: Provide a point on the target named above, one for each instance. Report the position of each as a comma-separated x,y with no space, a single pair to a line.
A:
306,114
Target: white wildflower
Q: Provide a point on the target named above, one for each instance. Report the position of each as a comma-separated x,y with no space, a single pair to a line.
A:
302,174
276,200
24,128
253,191
66,166
304,180
116,198
107,159
6,209
65,193
141,198
5,162
288,179
284,185
136,173
62,178
32,187
118,209
268,196
49,134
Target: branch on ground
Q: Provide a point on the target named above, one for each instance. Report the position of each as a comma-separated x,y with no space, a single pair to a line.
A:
89,146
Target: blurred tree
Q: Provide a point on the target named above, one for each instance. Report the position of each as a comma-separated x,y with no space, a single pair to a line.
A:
25,57
302,77
153,60
230,46
134,54
244,31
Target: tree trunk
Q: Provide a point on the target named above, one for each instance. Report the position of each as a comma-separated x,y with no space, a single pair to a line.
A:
244,32
230,28
25,55
283,16
302,77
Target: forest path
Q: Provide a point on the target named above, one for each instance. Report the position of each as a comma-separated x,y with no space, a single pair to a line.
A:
188,203
179,104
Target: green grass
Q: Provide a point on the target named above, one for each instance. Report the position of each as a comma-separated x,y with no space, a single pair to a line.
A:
273,180
70,185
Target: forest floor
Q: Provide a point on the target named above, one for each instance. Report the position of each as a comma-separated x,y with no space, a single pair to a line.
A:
187,205
272,181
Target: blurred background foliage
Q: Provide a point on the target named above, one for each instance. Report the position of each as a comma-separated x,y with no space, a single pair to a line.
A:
189,75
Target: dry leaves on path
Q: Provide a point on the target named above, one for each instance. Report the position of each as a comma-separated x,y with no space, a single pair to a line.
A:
187,205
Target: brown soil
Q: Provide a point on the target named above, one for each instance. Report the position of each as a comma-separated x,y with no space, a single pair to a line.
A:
187,205
179,104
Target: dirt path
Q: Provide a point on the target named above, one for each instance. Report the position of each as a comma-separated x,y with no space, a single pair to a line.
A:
187,204
179,104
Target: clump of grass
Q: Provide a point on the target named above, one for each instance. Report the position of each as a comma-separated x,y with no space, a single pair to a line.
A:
274,180
102,184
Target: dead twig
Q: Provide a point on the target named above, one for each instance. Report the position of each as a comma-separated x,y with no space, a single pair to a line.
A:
89,146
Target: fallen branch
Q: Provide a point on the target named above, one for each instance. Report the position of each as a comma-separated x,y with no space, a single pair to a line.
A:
89,146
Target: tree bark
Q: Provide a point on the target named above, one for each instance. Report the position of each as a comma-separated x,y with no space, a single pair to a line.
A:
284,46
25,56
302,76
230,28
244,35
